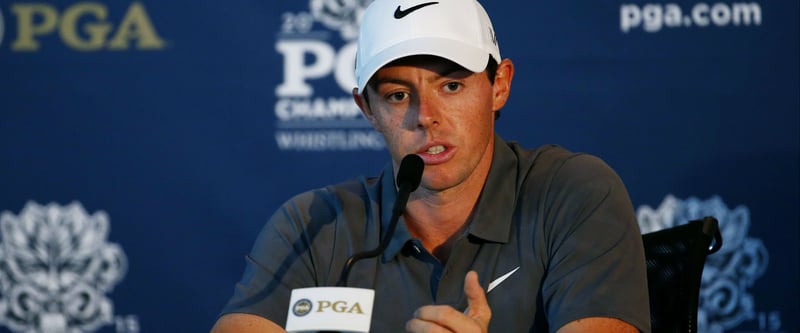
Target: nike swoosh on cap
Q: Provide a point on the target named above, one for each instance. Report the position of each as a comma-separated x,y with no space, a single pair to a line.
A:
399,13
500,280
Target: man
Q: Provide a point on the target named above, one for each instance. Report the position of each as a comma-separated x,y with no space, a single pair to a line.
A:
497,238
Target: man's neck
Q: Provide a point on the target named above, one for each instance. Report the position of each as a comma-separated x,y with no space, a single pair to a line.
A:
437,219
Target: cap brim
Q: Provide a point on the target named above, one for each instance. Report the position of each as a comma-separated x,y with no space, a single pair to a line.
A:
470,57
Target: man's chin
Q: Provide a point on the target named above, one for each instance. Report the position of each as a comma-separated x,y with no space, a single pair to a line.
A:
436,183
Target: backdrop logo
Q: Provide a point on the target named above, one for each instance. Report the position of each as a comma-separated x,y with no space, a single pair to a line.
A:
56,267
314,110
83,26
724,299
653,17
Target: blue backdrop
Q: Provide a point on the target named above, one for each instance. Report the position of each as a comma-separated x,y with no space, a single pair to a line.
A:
144,143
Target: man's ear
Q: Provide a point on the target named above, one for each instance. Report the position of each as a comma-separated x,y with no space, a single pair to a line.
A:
363,104
502,83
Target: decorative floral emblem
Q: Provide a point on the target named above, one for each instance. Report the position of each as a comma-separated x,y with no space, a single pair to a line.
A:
724,299
55,268
342,15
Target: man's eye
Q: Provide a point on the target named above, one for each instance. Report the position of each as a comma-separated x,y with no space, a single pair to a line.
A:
452,86
397,96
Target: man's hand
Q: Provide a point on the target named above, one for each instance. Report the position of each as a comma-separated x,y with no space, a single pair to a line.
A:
444,318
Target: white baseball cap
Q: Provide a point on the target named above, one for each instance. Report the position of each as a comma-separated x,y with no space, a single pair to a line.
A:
457,30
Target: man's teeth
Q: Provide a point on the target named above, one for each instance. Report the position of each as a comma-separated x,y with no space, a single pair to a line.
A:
435,149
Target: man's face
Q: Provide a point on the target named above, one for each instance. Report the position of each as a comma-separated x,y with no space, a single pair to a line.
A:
434,108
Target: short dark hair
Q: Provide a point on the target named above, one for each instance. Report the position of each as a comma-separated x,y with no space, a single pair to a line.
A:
491,69
491,72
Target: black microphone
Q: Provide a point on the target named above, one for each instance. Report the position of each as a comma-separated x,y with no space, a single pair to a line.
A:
408,179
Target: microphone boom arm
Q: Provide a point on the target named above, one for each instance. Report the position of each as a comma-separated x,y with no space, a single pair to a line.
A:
408,178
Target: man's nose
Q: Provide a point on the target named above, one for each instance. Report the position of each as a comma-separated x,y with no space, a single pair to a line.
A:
428,110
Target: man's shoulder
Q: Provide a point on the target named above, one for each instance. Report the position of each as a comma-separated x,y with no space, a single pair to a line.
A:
339,194
542,152
548,157
551,163
326,207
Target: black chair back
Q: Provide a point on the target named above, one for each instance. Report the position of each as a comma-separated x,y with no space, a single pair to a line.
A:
675,259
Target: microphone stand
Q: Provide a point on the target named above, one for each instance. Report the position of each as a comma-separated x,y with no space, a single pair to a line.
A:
408,178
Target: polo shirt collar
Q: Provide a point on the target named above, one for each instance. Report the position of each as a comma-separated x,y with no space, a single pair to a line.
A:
491,219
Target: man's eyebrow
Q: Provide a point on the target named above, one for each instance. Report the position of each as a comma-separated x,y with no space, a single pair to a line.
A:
453,69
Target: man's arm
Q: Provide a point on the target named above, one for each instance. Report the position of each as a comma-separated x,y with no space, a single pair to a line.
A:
280,260
598,325
597,275
432,318
245,323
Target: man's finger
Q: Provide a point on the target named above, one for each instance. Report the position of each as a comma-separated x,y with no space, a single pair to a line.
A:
478,306
436,318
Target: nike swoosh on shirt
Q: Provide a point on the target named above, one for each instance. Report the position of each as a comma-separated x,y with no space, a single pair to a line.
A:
399,13
500,280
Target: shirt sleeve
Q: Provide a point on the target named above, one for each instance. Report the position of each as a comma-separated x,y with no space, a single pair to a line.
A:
596,265
282,258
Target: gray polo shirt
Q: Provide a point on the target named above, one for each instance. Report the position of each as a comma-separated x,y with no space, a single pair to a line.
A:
558,226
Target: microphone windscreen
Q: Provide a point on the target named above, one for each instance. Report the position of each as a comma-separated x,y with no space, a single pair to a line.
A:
410,173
